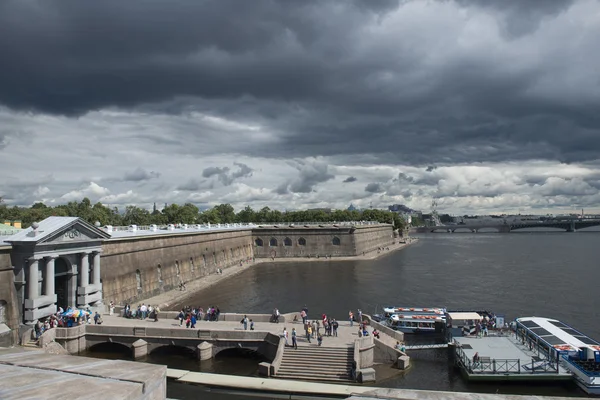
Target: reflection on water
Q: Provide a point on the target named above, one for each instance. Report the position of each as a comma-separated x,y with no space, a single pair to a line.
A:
231,361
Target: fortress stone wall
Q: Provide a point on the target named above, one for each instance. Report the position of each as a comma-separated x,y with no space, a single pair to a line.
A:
76,264
142,267
315,240
9,305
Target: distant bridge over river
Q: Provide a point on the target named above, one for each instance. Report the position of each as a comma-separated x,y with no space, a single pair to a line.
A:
566,225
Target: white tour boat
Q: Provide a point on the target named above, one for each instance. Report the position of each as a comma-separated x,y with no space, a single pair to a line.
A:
417,323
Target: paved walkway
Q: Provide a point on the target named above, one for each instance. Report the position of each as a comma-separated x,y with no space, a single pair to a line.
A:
345,338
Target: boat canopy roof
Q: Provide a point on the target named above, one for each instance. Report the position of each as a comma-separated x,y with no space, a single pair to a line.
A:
556,333
464,316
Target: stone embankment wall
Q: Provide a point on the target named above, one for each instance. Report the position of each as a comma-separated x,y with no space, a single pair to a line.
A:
9,309
321,241
142,267
368,238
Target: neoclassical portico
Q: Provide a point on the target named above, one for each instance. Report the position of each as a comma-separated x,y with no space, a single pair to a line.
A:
57,264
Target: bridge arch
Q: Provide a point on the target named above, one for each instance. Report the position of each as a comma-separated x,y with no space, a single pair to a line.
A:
173,350
240,352
111,347
463,229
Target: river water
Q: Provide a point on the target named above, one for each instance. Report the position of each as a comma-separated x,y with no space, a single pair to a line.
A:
519,274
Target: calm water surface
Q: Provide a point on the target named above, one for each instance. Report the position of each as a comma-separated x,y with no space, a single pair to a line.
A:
519,274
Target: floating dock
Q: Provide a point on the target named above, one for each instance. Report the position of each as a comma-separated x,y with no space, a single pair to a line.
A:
504,358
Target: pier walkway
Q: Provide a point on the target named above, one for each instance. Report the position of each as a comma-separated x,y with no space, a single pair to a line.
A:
345,338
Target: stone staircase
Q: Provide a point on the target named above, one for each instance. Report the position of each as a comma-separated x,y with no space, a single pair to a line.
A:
332,364
31,344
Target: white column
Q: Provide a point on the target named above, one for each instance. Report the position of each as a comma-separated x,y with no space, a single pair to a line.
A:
49,279
96,268
33,280
84,269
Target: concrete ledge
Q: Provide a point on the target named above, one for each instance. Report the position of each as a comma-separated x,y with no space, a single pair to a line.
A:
35,314
86,299
366,375
40,301
83,290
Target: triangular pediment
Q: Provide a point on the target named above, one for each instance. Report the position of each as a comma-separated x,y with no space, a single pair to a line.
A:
59,230
75,233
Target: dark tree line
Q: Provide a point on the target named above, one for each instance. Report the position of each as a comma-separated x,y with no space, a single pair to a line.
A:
187,214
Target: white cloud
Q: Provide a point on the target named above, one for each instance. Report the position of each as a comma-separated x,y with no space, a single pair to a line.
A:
93,191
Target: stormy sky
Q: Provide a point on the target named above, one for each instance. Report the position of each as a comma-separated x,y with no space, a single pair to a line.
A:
488,107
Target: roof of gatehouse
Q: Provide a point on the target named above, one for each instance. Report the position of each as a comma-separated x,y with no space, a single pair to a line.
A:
52,226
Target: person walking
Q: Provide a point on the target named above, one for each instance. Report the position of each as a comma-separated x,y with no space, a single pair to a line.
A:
351,318
308,332
294,339
314,329
245,322
193,321
251,325
334,325
285,336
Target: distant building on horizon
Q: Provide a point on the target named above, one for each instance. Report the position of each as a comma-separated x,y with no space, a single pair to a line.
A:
405,210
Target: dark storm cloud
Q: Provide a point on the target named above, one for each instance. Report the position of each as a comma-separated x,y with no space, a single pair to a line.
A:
310,173
327,73
402,177
225,175
374,187
140,174
193,185
520,17
350,179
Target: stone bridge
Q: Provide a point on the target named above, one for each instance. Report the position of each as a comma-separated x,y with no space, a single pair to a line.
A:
567,226
206,343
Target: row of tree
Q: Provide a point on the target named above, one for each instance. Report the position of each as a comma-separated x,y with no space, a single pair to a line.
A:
187,214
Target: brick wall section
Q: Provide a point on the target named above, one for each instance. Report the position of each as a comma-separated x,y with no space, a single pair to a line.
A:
182,258
8,299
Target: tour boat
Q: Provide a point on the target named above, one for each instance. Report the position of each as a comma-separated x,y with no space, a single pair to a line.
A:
417,323
559,342
414,310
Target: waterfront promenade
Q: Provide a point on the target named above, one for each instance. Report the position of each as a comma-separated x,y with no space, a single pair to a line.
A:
345,338
165,300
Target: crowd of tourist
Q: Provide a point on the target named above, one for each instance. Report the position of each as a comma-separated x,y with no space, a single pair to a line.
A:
191,315
66,319
142,312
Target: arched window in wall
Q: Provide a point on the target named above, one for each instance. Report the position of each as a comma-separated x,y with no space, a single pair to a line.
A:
138,279
273,242
159,272
301,242
258,242
287,241
336,241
